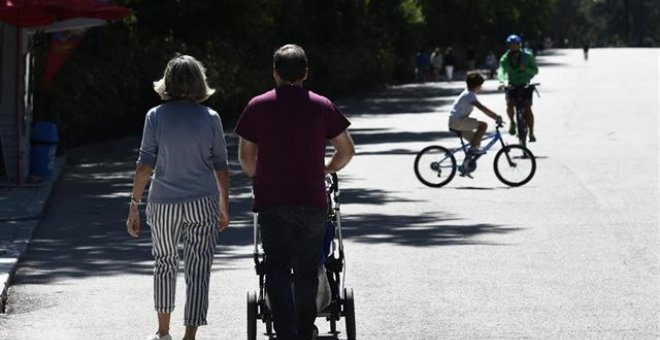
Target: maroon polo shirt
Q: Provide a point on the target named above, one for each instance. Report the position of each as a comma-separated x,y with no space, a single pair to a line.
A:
291,126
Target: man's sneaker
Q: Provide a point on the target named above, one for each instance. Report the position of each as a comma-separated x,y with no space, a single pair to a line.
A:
512,128
158,337
532,138
476,151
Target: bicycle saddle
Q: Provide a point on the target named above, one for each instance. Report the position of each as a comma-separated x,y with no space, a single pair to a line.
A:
456,132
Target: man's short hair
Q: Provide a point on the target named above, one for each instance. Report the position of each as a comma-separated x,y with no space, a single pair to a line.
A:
290,62
474,79
184,78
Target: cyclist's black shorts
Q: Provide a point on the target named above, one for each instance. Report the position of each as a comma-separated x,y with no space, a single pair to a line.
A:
526,93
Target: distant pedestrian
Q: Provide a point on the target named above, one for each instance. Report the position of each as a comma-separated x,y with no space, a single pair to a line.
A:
184,142
585,49
527,48
282,146
450,62
470,58
423,65
436,63
492,64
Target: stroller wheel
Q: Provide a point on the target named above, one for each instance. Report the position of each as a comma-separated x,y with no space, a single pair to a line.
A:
252,315
269,328
349,313
333,326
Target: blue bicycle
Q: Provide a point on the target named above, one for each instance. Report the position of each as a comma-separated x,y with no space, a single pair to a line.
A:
514,165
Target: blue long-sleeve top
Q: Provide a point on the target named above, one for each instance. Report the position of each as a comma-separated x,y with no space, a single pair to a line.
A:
184,143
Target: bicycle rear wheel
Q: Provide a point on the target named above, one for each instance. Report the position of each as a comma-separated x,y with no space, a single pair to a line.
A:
514,165
435,166
522,126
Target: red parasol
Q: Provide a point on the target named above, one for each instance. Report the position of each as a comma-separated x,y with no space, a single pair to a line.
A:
32,13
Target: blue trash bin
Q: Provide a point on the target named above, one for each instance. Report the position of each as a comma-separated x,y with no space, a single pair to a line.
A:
44,146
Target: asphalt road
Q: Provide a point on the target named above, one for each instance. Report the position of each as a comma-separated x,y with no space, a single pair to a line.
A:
573,254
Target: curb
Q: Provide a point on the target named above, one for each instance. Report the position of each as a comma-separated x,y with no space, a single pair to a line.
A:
10,257
11,253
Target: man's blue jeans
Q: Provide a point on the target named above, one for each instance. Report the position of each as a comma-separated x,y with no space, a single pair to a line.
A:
292,238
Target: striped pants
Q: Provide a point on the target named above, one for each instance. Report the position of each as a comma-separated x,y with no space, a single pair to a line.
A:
197,222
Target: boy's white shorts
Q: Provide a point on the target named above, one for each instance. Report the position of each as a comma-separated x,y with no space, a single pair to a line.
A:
465,124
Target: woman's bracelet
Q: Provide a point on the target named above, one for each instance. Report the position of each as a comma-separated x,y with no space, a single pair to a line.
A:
134,201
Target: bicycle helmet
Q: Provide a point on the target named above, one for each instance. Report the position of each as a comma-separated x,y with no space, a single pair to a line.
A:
513,39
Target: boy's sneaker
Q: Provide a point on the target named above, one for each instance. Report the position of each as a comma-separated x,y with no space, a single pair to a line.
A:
476,151
512,129
158,337
464,172
532,138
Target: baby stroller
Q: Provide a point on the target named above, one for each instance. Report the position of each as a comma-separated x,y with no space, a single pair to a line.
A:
334,301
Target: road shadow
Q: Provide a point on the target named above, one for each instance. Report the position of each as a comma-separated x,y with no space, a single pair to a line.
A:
382,136
84,235
364,139
427,230
371,196
389,152
420,230
403,99
477,188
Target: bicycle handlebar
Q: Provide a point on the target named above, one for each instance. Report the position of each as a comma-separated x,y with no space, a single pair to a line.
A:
526,85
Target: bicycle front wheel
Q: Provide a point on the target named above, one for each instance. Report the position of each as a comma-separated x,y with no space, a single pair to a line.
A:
435,166
514,165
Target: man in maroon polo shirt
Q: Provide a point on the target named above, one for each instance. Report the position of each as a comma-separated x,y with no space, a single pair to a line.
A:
283,135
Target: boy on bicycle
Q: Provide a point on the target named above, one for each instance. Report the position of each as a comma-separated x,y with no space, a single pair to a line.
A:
459,120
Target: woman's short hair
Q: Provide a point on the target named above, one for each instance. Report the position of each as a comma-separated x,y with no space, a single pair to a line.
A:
290,62
184,79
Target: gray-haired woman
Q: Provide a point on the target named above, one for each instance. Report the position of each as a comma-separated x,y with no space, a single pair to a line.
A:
183,144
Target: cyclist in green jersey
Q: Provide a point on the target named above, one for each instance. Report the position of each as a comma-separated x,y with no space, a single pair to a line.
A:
519,67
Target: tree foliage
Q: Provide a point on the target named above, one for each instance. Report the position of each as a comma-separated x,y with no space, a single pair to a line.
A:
352,45
608,22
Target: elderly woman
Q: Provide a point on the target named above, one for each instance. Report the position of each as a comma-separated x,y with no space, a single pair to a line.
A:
183,145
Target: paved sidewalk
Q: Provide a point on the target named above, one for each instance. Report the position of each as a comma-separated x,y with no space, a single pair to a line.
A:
21,209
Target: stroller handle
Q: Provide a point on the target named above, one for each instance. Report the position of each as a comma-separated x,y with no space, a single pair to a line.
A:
257,262
332,184
335,182
334,189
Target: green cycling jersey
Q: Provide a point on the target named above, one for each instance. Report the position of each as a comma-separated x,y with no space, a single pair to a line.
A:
519,68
